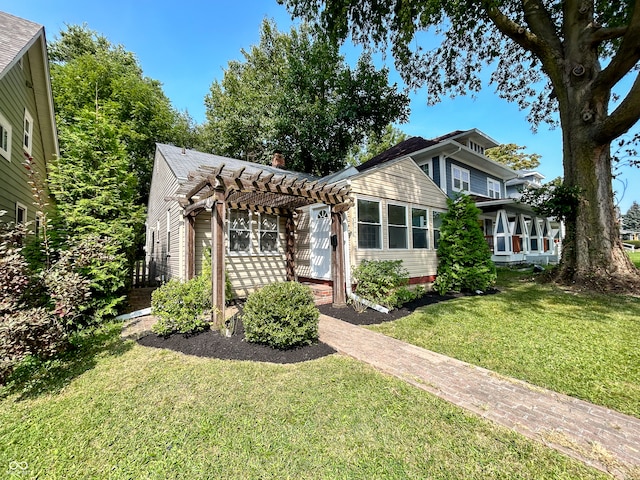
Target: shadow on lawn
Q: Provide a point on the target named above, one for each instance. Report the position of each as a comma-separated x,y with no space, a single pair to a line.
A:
36,377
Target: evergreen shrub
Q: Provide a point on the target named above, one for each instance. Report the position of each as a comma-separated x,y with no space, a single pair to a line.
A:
282,315
383,282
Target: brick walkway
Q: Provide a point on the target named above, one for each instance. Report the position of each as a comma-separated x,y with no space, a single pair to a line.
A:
597,436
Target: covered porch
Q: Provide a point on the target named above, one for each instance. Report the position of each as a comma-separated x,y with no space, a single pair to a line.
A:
221,189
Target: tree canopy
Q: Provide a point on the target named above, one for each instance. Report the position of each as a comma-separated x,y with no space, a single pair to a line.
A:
550,57
374,144
294,93
513,156
631,219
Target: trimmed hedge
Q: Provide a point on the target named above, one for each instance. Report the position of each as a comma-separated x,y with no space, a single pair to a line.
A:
282,315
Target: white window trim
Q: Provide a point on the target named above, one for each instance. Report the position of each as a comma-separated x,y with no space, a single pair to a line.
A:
432,236
277,230
244,253
168,233
379,201
23,207
406,224
453,179
27,116
7,127
490,188
427,227
429,163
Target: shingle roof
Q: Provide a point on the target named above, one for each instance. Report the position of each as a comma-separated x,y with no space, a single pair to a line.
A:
183,164
16,36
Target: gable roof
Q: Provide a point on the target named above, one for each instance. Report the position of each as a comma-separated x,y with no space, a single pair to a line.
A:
182,162
16,37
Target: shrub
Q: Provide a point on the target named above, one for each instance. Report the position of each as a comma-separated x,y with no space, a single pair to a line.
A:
281,315
180,306
635,243
28,332
378,281
464,258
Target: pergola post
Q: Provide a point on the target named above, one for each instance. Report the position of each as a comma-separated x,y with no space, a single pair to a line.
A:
290,245
190,247
217,259
337,260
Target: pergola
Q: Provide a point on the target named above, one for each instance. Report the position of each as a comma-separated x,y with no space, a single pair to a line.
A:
258,190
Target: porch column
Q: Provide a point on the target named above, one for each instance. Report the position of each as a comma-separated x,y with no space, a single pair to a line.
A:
337,260
217,259
190,247
290,230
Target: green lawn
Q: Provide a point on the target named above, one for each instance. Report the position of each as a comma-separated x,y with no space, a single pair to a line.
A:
635,258
119,410
587,346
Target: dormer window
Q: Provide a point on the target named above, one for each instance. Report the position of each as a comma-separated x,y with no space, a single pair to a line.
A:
28,132
476,148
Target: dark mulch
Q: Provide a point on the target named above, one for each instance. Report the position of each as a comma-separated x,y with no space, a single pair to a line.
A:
212,344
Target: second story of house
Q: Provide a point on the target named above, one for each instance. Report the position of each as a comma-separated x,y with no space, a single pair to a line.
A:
27,122
456,162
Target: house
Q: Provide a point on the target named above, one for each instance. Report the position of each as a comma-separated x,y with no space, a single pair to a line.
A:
27,122
265,224
457,164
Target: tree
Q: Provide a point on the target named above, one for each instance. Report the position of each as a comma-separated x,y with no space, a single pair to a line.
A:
373,145
631,220
464,257
513,156
563,57
294,93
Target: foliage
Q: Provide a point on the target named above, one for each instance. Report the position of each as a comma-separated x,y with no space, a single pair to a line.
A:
631,219
635,243
553,199
560,60
282,315
295,94
35,331
464,258
382,282
512,156
180,306
14,281
374,144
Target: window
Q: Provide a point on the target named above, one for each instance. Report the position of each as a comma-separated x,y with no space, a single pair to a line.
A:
239,231
419,228
21,214
5,138
437,222
153,241
493,188
460,179
397,228
268,226
39,223
369,226
426,168
28,131
168,232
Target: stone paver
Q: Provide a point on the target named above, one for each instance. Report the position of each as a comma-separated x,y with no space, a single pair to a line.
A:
597,436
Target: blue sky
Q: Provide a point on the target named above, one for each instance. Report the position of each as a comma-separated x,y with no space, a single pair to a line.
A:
187,45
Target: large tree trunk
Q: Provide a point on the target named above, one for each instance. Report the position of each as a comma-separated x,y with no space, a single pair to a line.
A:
592,254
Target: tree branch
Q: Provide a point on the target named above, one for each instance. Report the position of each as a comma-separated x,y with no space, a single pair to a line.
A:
599,34
625,58
623,117
539,20
513,30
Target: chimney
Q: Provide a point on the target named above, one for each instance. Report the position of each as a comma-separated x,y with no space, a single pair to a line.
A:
278,160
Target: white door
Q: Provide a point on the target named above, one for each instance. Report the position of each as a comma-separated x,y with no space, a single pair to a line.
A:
320,243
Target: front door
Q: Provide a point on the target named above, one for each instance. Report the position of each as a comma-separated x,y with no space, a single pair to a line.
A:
320,243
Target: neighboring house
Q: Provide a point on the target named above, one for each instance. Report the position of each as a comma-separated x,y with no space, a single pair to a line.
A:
457,164
27,122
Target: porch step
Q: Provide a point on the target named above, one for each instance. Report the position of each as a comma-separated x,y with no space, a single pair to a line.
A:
322,294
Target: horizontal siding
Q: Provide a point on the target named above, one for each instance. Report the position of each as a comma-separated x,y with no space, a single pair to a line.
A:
478,179
15,96
246,272
303,244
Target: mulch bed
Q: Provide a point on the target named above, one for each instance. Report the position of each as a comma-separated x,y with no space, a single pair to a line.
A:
212,344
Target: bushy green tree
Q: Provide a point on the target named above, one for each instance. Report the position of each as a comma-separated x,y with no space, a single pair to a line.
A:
513,156
295,93
374,144
464,257
631,219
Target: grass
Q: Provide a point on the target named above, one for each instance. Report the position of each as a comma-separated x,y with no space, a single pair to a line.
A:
586,346
119,410
635,258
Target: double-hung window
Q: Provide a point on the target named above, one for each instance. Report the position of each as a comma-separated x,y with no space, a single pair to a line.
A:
460,178
239,231
268,226
21,214
437,222
5,138
493,188
28,132
420,228
397,226
369,224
